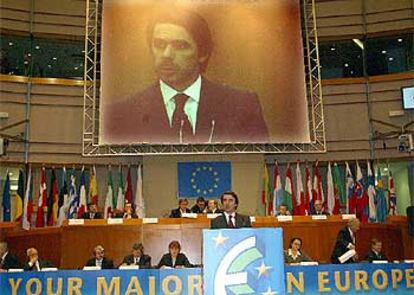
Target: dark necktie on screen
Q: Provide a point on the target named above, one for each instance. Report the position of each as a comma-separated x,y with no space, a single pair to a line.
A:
180,121
231,221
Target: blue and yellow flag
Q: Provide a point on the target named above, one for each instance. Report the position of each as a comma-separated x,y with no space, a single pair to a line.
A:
203,179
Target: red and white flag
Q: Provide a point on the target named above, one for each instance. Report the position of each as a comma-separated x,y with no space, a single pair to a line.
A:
42,203
300,192
28,203
308,190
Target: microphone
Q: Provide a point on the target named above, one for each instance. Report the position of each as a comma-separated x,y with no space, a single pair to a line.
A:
181,131
213,123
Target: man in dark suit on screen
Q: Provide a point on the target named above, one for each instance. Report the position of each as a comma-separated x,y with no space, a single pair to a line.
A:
7,260
137,257
34,263
230,218
99,259
184,106
346,241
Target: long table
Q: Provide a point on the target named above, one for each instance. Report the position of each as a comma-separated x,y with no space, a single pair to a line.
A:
70,246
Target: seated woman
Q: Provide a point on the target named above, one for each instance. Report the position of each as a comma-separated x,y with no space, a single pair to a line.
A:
174,258
294,254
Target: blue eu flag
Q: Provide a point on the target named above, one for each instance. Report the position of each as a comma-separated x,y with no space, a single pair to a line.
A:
203,179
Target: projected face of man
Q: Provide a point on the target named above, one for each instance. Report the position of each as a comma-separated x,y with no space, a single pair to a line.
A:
176,57
229,203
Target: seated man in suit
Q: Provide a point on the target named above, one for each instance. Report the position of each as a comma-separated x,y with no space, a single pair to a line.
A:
183,106
34,263
182,208
319,208
92,212
199,206
283,210
99,259
346,241
7,260
230,218
128,212
375,252
174,258
212,207
137,257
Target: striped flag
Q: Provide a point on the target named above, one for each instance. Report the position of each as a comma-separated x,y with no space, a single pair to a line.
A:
121,194
52,201
19,198
109,200
139,197
28,203
360,192
278,196
371,193
82,194
317,191
93,187
381,201
300,192
340,195
265,191
128,189
42,203
63,200
392,198
350,186
290,197
330,190
73,197
6,199
308,190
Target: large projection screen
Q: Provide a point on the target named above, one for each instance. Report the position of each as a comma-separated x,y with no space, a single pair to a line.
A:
240,66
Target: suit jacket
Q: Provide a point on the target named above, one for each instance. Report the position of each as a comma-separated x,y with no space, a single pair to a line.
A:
230,115
98,215
144,261
176,213
181,260
300,258
341,244
10,261
196,209
106,263
371,256
221,221
42,264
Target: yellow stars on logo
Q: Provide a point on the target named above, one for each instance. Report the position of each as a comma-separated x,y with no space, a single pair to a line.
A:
220,239
263,270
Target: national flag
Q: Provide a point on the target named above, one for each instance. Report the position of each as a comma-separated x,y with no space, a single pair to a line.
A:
392,198
128,189
381,202
330,190
300,192
290,197
371,193
278,197
109,200
93,193
340,194
28,203
82,194
19,197
73,197
6,199
121,193
139,197
203,179
265,191
317,191
52,201
63,200
350,187
362,210
42,203
308,191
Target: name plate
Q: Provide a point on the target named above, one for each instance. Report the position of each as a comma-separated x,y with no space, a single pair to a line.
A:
76,221
252,218
212,215
319,217
379,261
308,263
150,220
114,221
91,268
129,267
409,260
284,218
49,269
15,270
189,215
348,216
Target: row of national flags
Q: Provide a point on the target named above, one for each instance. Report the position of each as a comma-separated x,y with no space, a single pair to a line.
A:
341,193
60,199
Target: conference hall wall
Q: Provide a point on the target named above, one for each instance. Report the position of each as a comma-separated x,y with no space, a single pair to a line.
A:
57,105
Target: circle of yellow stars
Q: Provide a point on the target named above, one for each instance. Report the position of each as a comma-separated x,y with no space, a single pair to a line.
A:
193,178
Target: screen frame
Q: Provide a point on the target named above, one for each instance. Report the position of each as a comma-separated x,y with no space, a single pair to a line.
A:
403,100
